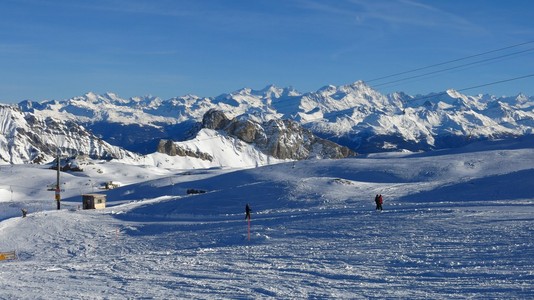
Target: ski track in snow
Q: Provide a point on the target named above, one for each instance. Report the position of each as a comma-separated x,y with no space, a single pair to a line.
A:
314,235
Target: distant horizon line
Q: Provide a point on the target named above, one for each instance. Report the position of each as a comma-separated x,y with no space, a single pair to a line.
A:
290,88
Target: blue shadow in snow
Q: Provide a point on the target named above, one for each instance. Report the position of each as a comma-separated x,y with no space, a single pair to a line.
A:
512,186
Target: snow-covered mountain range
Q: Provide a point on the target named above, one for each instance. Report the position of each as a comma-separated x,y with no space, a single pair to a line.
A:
27,138
353,115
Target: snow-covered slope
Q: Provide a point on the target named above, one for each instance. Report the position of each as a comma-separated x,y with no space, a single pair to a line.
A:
27,138
457,224
354,115
210,149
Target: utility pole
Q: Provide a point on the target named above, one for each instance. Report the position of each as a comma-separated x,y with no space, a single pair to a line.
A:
58,195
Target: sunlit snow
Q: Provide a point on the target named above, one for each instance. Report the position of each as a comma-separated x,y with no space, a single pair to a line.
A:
456,224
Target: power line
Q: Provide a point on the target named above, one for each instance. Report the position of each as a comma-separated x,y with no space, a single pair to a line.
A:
496,82
473,87
279,105
455,67
450,61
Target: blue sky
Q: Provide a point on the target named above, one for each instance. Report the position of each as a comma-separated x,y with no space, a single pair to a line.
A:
57,49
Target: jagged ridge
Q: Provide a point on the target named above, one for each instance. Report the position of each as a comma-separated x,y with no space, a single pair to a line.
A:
27,138
353,115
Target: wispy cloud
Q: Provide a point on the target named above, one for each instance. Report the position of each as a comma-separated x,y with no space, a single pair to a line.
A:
157,8
147,7
394,13
371,21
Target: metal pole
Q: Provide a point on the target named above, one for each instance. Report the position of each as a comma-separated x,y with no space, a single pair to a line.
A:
58,195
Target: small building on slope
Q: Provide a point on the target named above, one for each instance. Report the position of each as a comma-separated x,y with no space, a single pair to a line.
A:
94,201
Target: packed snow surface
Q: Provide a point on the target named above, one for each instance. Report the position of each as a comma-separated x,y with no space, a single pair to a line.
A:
456,225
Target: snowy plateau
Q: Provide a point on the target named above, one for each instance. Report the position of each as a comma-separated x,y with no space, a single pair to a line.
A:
456,173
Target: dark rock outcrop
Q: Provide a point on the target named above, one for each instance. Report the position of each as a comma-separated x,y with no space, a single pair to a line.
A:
170,148
283,139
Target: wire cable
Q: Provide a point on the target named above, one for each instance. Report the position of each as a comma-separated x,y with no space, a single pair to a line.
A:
450,61
455,67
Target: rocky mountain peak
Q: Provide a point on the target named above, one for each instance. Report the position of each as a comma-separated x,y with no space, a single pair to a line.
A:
283,139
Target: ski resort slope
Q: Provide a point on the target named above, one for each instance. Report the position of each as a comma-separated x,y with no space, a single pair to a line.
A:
456,225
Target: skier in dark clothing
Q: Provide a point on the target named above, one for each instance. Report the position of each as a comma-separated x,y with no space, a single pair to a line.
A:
376,202
379,201
247,212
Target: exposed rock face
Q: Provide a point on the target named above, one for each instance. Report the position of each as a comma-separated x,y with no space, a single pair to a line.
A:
26,138
283,139
170,148
215,119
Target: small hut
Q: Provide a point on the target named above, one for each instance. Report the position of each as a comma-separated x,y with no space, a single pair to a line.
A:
94,201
